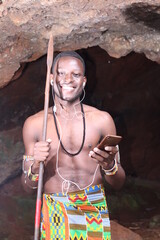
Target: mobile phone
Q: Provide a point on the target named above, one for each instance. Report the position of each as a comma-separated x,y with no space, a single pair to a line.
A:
109,140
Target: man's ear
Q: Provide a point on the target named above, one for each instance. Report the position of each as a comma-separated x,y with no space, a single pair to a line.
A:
84,81
51,79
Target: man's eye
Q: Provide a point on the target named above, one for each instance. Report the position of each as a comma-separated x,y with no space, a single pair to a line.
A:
76,75
60,73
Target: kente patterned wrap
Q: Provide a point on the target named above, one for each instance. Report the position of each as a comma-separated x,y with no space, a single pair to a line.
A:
80,215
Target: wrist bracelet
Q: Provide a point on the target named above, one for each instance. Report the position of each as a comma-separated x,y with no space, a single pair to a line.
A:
31,176
28,158
113,170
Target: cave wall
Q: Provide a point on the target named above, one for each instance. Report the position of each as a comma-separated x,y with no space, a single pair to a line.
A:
117,26
128,88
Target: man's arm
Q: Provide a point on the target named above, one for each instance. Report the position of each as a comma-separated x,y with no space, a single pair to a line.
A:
29,142
117,180
35,152
108,158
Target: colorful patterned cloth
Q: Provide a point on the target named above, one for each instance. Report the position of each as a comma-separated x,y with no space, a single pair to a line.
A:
81,215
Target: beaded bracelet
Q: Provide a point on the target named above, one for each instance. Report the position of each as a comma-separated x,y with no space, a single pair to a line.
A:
31,176
28,158
113,170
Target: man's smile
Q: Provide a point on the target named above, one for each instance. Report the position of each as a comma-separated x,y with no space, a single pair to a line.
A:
67,87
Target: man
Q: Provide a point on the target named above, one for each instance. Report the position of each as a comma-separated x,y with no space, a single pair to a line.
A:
74,205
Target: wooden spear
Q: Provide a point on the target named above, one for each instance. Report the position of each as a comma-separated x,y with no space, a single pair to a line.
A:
41,168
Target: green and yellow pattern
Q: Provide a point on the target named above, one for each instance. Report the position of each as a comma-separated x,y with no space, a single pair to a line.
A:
80,215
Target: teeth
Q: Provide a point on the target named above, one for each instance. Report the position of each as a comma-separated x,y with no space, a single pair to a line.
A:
67,87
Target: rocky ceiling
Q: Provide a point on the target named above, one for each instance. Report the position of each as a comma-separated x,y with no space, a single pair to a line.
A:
117,26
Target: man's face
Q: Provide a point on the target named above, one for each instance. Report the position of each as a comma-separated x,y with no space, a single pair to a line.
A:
70,78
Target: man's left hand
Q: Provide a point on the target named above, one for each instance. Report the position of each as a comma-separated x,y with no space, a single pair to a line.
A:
104,157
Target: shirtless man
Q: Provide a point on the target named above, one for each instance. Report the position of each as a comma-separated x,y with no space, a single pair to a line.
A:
73,165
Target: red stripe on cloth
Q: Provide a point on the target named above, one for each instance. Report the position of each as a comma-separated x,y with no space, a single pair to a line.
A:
90,221
77,198
46,219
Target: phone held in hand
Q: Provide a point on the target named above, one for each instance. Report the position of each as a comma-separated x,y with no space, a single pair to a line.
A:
109,140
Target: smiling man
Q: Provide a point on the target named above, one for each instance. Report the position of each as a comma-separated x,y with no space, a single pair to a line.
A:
74,203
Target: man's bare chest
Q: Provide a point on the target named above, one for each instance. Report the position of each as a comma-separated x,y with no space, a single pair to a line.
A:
73,132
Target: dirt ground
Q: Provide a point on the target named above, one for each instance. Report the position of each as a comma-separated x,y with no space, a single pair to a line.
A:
142,228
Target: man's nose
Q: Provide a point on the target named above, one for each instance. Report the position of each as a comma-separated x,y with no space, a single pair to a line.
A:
68,77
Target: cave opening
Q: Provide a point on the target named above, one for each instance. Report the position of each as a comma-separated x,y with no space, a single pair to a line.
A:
128,88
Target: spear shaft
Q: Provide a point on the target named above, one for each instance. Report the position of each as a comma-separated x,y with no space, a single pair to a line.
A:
41,168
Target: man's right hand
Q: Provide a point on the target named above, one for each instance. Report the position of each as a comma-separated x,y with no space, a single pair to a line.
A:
41,153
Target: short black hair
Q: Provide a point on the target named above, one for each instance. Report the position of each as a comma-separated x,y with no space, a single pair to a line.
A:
68,54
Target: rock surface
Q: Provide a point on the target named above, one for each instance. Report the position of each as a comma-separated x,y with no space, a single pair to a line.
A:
118,232
117,26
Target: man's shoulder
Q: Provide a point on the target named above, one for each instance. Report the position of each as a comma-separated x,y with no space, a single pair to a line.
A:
36,117
90,109
96,112
101,119
34,120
